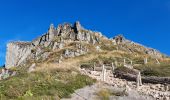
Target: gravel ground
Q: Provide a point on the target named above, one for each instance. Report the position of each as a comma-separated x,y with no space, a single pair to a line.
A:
90,93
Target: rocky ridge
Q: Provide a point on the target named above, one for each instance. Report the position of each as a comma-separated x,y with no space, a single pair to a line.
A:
57,38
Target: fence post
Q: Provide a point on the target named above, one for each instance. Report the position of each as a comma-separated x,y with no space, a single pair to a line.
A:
145,60
94,66
138,80
104,73
124,62
157,61
131,62
113,67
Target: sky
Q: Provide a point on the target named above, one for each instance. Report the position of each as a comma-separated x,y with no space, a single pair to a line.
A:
144,21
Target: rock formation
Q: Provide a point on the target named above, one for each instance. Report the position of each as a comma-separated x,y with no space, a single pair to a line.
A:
130,46
17,52
55,38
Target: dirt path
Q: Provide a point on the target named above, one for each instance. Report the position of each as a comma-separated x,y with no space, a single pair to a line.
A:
90,93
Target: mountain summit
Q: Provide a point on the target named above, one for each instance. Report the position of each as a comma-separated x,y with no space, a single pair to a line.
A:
57,38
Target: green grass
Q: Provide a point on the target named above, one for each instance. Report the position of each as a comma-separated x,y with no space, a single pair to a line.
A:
125,70
51,84
108,47
162,70
105,93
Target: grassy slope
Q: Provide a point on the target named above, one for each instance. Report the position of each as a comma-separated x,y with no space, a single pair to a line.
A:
51,81
43,84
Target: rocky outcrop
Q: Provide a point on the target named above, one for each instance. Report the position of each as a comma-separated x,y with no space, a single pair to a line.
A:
66,32
118,40
54,38
17,52
130,46
154,53
57,38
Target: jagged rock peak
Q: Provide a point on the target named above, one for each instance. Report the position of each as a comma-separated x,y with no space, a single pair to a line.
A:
54,38
119,39
78,26
52,26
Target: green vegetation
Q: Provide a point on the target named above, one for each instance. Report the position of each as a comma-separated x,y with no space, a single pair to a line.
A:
43,85
104,94
108,47
124,70
162,70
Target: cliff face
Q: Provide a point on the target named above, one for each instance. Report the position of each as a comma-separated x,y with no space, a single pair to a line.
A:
17,52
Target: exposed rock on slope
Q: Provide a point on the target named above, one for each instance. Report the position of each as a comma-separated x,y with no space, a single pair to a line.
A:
58,38
55,38
135,47
17,52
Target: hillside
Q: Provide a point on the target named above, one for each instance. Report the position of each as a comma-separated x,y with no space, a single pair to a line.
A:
69,57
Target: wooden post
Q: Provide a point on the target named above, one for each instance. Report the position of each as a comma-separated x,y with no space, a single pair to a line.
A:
104,79
94,66
138,80
145,60
104,73
113,67
124,62
157,61
131,62
166,87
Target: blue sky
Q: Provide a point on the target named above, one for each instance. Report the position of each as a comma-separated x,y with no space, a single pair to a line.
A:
143,21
